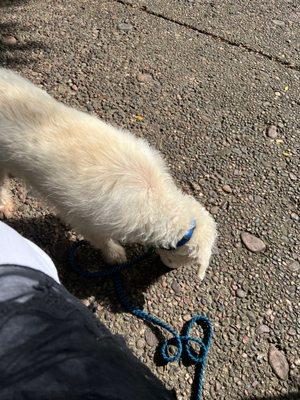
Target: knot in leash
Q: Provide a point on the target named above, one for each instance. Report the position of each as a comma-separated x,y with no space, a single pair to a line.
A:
185,342
194,349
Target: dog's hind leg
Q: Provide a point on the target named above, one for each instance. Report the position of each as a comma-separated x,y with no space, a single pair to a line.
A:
6,203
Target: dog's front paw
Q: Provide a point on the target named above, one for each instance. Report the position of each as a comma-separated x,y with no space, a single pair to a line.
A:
114,253
6,208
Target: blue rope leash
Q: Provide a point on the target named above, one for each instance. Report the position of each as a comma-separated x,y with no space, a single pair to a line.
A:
183,342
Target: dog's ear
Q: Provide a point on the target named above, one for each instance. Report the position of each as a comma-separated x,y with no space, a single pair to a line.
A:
202,270
204,258
201,250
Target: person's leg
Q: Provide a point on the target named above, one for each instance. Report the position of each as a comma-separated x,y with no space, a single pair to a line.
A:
16,250
51,345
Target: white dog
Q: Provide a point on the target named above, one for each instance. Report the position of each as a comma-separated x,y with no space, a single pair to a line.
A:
106,183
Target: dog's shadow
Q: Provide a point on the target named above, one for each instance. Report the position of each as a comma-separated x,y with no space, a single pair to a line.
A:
55,239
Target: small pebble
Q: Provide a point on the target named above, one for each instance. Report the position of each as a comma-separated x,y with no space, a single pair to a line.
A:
263,329
272,132
214,210
196,186
9,40
278,22
241,293
140,344
252,317
245,340
294,266
176,287
123,26
259,357
278,362
295,216
292,332
252,242
186,317
293,177
150,338
217,386
226,189
212,194
212,200
257,199
164,283
144,78
172,350
237,172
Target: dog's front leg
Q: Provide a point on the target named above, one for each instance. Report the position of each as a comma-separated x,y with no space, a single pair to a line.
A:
112,251
6,203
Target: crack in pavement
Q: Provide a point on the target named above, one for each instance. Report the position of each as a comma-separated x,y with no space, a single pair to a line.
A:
214,36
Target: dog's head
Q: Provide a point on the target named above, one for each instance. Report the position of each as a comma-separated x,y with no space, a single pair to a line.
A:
196,245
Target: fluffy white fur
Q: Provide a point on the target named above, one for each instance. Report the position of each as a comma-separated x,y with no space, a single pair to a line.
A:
109,185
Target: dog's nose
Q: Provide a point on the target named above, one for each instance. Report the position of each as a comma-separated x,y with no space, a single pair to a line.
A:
166,260
169,261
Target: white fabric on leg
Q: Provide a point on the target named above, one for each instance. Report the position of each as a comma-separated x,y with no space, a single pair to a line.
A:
16,250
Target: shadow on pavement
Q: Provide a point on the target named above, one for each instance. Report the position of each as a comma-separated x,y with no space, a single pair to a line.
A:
12,3
53,237
13,51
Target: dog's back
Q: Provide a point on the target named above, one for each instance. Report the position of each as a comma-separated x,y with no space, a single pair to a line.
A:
50,145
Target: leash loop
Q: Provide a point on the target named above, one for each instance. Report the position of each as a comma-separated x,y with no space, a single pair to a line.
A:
184,343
